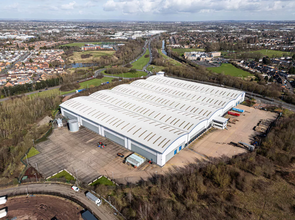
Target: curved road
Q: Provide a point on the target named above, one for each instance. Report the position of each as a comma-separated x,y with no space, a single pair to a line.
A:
103,211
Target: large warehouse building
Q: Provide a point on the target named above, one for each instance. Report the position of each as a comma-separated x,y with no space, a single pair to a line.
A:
156,117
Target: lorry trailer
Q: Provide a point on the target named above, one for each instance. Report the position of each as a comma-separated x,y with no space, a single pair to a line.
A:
79,90
238,110
93,198
233,113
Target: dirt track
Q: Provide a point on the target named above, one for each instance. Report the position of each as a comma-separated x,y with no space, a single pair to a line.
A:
42,207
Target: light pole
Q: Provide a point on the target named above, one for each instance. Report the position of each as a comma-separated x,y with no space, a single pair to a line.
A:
37,167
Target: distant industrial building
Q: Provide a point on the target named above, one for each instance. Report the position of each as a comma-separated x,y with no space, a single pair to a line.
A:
202,56
156,117
96,47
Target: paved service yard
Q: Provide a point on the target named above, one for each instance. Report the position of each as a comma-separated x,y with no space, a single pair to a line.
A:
216,142
78,152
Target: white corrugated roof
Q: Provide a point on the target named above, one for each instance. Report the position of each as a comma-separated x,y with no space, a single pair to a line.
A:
151,133
198,87
167,115
219,101
153,112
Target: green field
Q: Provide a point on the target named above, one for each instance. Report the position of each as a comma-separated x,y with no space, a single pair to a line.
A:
128,75
273,53
155,69
33,151
263,53
63,174
104,181
170,60
181,51
229,69
79,44
90,83
141,62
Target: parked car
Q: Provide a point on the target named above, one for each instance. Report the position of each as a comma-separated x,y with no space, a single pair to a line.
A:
120,155
75,188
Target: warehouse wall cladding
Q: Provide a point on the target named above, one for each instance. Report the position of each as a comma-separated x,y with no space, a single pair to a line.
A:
156,117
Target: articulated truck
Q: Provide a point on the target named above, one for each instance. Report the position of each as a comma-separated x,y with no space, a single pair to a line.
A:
93,198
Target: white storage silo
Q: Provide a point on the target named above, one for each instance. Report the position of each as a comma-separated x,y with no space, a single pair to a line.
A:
73,125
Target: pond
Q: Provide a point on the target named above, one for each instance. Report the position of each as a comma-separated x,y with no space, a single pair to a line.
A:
77,65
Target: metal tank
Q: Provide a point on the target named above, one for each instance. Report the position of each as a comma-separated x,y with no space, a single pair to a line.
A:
73,125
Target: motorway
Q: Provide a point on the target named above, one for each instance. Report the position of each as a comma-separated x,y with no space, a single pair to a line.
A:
103,211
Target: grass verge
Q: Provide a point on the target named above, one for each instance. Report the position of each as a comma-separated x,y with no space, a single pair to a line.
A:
102,181
128,75
33,151
90,83
168,59
141,62
62,174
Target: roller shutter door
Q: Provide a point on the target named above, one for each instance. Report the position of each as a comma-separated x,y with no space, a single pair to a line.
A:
173,152
170,155
90,126
114,138
70,116
144,153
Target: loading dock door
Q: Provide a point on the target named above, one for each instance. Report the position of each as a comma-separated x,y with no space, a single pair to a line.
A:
171,154
70,116
90,126
114,138
144,153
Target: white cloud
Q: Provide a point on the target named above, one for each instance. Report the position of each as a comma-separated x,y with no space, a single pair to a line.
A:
14,6
69,6
195,6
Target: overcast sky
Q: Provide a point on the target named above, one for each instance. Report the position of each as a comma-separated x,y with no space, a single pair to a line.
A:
149,10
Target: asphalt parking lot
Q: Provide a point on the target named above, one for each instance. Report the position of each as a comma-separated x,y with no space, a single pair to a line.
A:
78,153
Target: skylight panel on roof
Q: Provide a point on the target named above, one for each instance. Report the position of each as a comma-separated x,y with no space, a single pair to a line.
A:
105,117
151,137
142,133
157,139
176,122
165,143
190,127
148,135
136,131
125,126
131,128
181,124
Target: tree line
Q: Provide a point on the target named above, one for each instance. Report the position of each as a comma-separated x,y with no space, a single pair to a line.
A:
20,89
18,129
